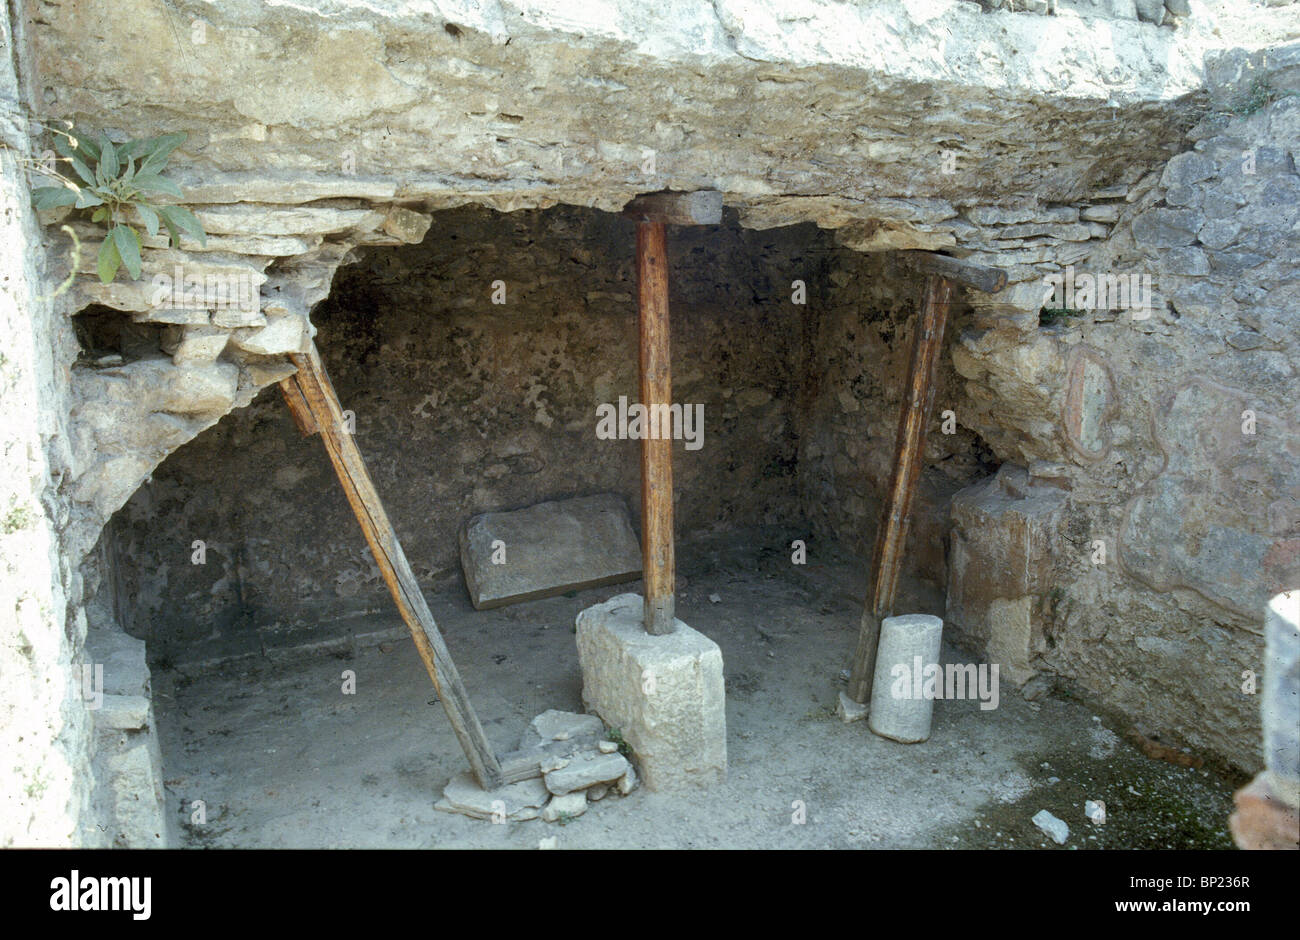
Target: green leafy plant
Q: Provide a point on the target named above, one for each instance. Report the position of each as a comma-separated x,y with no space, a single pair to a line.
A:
117,180
616,735
19,517
1050,315
1260,95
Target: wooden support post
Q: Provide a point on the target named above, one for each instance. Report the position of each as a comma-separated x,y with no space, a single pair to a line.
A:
315,407
657,551
891,535
652,212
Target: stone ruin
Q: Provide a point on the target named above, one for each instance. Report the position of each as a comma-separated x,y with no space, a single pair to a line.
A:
1114,505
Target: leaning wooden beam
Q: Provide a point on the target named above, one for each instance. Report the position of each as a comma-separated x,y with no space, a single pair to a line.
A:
310,395
981,277
891,535
299,410
657,551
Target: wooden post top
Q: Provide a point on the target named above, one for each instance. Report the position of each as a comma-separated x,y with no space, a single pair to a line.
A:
981,277
702,207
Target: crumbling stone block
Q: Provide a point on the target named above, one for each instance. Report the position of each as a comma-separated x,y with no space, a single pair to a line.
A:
194,344
123,713
288,333
664,694
406,226
135,782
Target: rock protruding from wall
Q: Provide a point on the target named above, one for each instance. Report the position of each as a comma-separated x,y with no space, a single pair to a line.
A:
227,314
128,761
1006,535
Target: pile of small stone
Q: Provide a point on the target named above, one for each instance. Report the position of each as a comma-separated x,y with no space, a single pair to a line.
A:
578,762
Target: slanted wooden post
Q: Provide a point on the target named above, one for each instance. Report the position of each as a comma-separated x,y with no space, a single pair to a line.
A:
913,419
315,407
652,212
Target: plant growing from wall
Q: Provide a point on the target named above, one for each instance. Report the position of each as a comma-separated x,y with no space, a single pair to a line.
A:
616,735
116,182
1048,316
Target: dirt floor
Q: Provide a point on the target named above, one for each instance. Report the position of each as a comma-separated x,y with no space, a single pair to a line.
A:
282,758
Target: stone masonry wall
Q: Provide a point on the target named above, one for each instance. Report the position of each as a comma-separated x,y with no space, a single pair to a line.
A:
1172,437
862,347
464,406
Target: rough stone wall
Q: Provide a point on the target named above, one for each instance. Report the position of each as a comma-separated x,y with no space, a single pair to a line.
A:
464,406
827,112
294,158
81,758
1174,436
1165,12
46,784
862,347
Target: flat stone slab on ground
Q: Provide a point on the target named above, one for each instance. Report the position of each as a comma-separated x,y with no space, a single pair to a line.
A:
567,806
522,800
849,710
584,770
555,725
548,549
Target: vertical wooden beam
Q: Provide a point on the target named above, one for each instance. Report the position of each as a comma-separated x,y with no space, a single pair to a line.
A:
651,212
656,451
891,535
315,407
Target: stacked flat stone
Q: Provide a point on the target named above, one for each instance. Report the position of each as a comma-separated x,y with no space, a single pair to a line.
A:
579,765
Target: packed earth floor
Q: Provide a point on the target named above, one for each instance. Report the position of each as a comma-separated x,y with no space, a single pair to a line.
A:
281,757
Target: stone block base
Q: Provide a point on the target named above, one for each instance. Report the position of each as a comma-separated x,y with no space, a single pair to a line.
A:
664,694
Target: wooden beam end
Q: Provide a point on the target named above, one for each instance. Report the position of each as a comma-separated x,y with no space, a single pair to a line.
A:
980,277
702,207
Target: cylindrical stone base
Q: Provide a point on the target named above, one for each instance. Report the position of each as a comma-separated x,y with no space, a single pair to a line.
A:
899,709
1280,705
